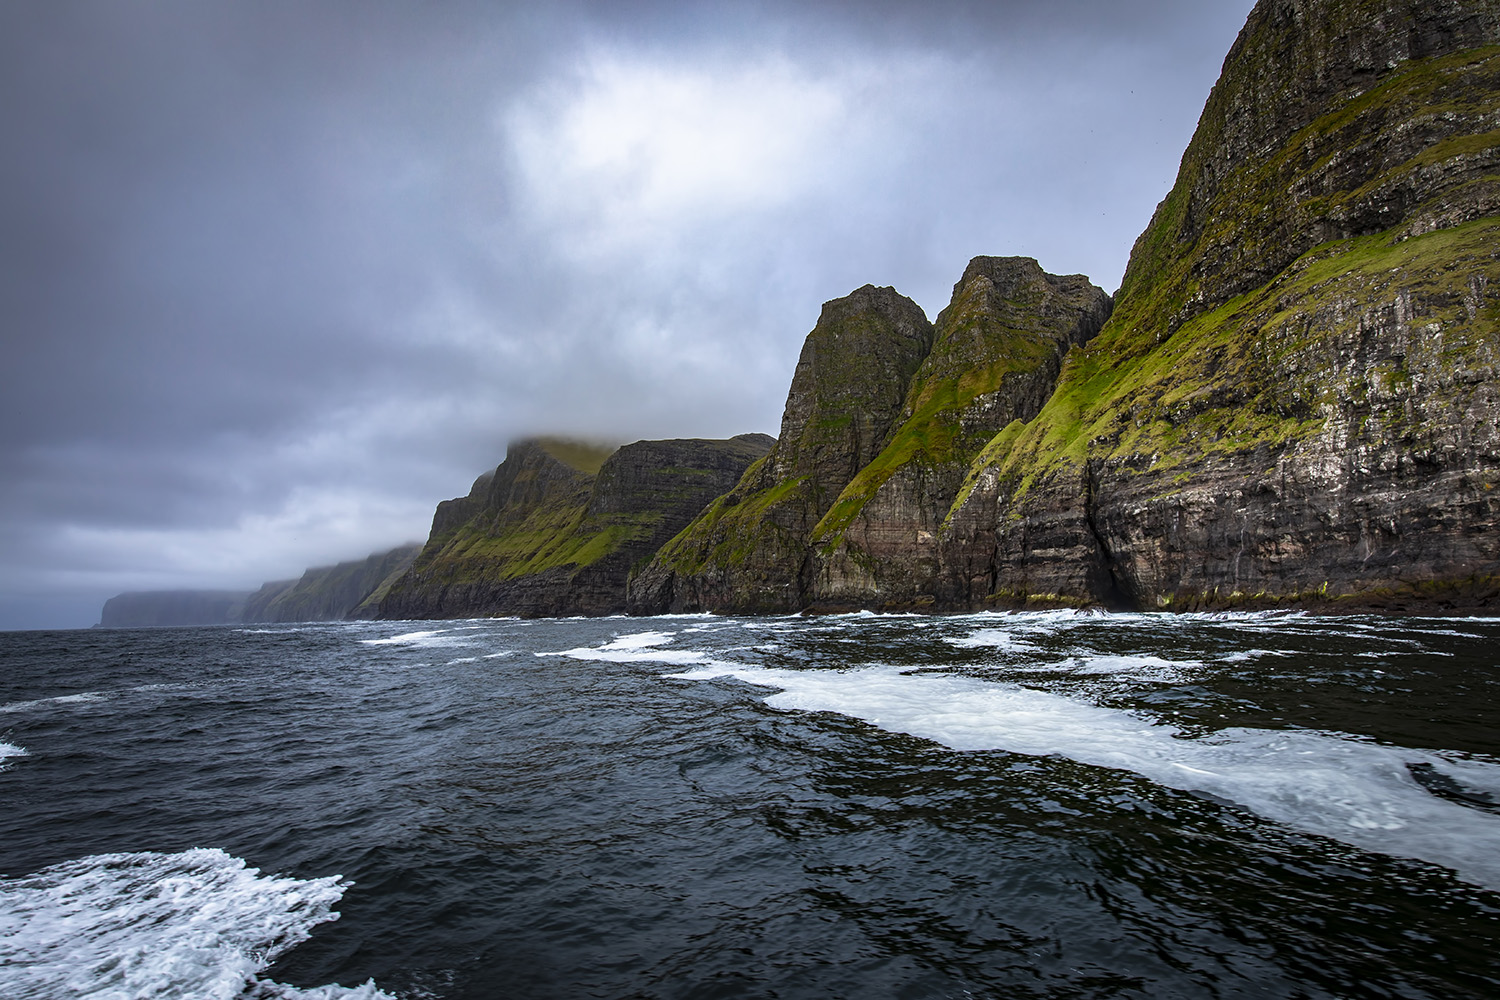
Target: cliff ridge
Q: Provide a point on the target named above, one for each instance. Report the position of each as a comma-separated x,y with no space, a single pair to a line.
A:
558,526
1291,401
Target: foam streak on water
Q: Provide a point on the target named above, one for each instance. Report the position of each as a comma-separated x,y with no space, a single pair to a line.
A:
85,698
1356,792
195,924
640,647
426,637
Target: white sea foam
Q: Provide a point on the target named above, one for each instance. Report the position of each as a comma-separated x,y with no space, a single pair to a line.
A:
198,925
1356,792
9,750
428,638
639,640
1148,668
1245,656
1141,667
85,698
1456,632
997,638
640,647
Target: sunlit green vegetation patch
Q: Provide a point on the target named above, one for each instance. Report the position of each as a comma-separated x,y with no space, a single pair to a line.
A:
558,534
585,456
1246,375
733,526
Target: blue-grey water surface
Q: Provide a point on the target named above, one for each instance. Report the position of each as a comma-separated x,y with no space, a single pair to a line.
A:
1009,806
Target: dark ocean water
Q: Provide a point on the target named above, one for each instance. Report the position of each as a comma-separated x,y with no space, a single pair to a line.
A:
1043,805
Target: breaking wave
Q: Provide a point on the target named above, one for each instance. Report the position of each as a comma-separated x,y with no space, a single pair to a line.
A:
197,925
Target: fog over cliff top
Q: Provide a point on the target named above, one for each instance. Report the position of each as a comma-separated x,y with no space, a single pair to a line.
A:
275,278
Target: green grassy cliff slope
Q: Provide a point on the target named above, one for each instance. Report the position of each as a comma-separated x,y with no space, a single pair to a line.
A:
331,593
558,526
1295,399
751,549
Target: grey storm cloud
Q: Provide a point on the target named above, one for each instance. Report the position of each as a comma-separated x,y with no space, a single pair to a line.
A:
277,277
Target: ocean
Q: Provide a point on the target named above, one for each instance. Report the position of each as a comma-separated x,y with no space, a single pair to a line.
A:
1028,805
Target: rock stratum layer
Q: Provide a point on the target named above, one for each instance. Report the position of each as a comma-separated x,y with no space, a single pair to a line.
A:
559,525
1293,402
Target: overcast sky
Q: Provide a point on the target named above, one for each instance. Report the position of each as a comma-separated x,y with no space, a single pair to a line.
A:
278,277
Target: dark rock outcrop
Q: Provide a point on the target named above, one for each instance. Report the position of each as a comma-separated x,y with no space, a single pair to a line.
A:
331,593
142,608
557,528
995,359
850,518
751,549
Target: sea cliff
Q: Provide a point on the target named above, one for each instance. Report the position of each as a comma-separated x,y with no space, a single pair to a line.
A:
1295,402
145,608
331,593
559,525
1291,401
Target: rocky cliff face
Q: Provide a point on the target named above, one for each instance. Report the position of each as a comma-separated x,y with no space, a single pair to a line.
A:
882,419
997,351
1296,398
751,549
331,593
557,528
326,593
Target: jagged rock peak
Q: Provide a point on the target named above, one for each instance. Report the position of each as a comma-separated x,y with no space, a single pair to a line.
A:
1010,274
1015,292
882,299
848,387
